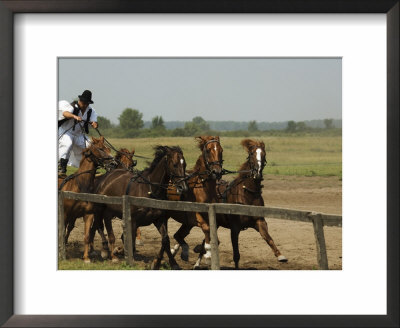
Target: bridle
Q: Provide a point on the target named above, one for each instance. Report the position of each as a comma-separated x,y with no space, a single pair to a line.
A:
139,178
207,163
253,170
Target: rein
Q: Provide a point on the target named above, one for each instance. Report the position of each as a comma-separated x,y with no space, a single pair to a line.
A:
118,151
144,180
233,183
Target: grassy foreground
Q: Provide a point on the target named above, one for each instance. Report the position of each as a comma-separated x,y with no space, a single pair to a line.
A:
78,264
292,155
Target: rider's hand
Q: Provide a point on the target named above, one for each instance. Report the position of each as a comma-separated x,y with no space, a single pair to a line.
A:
94,125
78,118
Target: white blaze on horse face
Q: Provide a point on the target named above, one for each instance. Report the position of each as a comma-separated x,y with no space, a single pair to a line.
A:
181,160
258,156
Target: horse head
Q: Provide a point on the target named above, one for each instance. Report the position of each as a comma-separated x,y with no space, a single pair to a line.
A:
124,158
257,156
212,154
175,166
97,152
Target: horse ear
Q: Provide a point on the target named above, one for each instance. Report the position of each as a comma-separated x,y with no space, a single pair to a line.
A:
200,141
94,139
133,151
101,139
246,143
262,144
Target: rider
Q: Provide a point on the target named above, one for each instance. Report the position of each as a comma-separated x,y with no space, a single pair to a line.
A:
73,121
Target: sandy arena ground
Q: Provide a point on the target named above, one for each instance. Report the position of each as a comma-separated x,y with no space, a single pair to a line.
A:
295,240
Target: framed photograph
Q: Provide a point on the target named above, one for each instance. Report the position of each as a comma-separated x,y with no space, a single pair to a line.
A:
43,43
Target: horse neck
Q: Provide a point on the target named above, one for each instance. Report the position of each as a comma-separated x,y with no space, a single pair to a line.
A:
208,191
159,173
200,165
246,177
85,180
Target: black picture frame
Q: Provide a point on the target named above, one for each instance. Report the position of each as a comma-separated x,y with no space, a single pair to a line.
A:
7,10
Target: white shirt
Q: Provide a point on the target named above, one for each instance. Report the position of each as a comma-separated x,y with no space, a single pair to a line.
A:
63,106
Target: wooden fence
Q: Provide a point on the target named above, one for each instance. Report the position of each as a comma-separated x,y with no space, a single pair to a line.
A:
318,220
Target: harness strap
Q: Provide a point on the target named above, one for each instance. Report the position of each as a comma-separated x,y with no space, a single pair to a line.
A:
128,187
73,176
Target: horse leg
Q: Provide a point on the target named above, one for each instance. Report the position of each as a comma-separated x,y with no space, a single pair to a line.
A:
92,232
104,242
235,245
88,219
161,225
111,238
206,230
139,241
180,236
262,227
69,228
201,254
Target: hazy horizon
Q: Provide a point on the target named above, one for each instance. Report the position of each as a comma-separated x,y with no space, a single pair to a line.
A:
217,89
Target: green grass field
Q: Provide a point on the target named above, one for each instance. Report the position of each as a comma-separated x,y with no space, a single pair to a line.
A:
78,264
293,155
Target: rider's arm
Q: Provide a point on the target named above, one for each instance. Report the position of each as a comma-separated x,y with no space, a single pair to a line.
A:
93,119
67,114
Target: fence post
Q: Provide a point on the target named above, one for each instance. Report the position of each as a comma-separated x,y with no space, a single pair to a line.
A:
61,227
214,237
320,242
126,216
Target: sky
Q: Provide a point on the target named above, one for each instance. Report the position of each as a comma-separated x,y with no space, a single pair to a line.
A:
217,89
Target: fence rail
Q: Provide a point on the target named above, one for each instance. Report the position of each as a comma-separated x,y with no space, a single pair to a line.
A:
319,220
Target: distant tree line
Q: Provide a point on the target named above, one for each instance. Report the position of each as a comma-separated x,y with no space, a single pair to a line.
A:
131,125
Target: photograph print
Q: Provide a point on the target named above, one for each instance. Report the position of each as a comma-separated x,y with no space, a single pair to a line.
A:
199,163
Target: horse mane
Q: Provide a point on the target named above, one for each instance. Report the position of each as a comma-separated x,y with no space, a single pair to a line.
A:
249,144
159,153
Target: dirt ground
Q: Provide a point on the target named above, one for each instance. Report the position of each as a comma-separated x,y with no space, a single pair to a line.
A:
295,240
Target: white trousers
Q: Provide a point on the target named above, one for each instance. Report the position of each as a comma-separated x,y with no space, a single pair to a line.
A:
70,147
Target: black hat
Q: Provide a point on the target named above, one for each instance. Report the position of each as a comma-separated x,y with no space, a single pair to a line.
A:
86,97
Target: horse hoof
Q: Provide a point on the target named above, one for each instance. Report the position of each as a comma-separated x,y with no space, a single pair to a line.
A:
281,258
86,260
198,249
175,267
154,266
185,253
139,242
114,260
185,256
104,254
118,251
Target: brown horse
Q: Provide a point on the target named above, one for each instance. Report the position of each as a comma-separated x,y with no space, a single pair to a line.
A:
124,160
97,154
246,189
202,189
168,165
